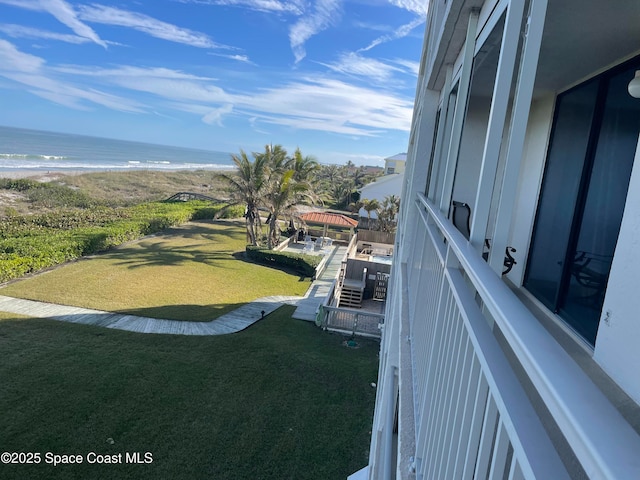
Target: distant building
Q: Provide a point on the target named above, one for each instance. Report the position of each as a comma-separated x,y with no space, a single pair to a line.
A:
381,188
395,164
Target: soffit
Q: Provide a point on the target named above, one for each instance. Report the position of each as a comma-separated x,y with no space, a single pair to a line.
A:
583,37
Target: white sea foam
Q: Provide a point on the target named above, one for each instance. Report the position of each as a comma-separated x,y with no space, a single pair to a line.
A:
23,149
31,156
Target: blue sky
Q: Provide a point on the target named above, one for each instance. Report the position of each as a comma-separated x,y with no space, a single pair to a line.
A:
335,77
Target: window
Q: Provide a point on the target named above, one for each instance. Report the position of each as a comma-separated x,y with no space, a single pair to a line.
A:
593,143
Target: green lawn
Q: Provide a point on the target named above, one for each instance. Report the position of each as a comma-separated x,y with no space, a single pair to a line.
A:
194,272
280,400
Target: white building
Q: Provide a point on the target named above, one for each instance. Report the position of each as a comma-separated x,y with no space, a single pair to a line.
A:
383,187
523,114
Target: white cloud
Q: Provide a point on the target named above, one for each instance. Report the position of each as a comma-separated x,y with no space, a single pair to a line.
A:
143,23
325,13
416,6
410,66
215,115
13,60
304,103
259,5
32,72
307,103
129,71
237,58
401,32
19,31
353,64
63,12
162,82
330,105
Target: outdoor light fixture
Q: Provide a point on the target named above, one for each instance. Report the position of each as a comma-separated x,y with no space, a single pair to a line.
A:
634,85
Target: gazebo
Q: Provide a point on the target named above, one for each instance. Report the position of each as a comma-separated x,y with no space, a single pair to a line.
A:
330,220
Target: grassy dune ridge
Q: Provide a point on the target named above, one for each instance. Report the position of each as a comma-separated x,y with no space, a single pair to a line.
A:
115,189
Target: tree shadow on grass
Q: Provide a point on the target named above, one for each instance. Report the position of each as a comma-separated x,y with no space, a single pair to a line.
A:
169,248
166,254
185,313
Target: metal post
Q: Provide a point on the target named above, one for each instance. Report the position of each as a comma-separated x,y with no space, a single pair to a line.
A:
519,120
497,116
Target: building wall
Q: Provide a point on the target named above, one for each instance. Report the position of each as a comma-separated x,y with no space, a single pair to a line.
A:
394,166
616,348
383,187
619,332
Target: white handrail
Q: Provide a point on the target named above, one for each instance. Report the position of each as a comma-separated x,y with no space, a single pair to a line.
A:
602,440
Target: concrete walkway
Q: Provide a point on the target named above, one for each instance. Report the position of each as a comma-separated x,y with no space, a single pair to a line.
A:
231,322
320,288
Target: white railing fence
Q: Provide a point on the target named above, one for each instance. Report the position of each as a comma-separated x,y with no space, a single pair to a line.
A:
473,418
351,321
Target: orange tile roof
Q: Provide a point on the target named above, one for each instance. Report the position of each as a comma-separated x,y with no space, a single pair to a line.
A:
329,218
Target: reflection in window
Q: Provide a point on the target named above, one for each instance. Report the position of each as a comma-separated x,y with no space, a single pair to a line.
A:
583,195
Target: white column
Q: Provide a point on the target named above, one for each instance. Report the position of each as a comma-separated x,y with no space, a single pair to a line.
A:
415,175
518,130
451,159
497,116
440,137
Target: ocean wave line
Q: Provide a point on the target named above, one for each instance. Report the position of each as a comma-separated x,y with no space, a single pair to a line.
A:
20,164
32,156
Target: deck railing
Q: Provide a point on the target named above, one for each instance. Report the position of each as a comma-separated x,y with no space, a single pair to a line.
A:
473,418
351,321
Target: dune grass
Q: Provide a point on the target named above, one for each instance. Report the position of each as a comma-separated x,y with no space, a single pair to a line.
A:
280,400
195,272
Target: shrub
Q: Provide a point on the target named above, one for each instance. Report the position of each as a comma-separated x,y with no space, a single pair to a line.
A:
31,243
303,264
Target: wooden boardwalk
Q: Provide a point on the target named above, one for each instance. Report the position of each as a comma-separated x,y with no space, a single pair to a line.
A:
231,322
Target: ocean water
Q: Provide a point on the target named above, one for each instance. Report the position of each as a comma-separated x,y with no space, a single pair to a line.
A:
36,150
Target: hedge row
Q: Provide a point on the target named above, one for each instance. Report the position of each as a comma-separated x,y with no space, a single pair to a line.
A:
303,264
31,243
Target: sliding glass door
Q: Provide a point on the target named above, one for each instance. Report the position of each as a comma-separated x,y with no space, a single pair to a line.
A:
583,195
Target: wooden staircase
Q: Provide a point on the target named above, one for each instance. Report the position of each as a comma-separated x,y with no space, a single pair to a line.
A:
352,292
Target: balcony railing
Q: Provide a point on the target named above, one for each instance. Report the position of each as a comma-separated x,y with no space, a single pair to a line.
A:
473,418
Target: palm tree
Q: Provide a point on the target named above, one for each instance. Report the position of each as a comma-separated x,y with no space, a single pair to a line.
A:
341,193
370,205
356,206
289,182
305,168
388,212
247,186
